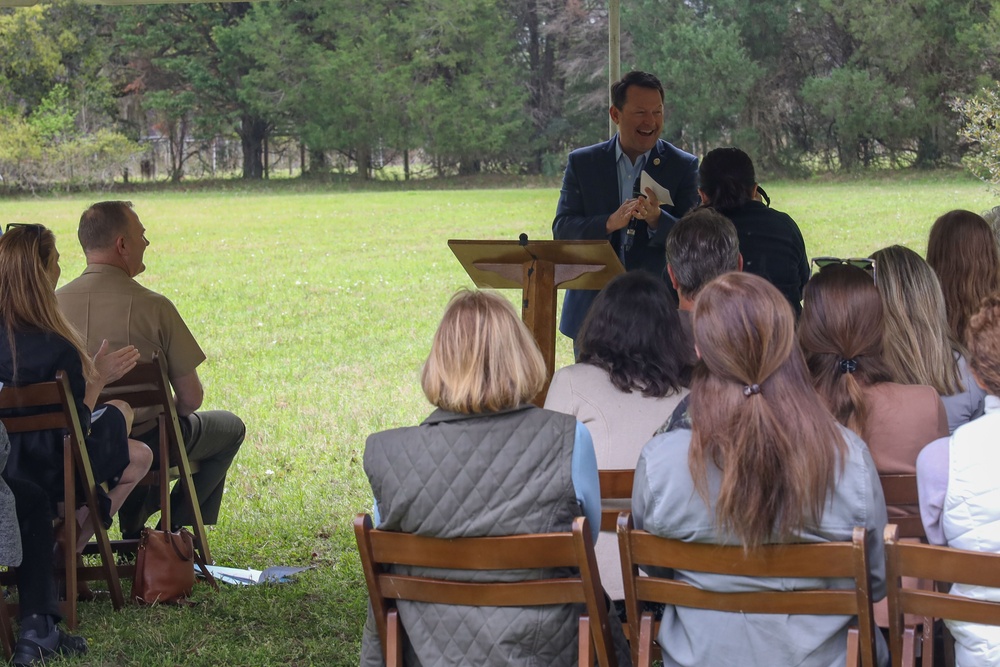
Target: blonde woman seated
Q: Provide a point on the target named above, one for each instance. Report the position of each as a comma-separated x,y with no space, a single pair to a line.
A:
634,369
917,343
35,343
960,488
756,460
485,462
841,335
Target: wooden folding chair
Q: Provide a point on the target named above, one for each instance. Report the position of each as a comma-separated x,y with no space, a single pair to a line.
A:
901,491
382,549
52,403
940,564
826,560
6,631
918,632
616,495
147,386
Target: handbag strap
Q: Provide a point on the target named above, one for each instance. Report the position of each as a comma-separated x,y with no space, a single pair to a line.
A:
177,550
201,563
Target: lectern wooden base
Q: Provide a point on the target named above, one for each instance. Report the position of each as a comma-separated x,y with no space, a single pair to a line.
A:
539,268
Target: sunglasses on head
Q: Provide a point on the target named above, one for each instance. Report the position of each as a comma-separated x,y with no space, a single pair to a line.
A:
38,229
26,225
864,263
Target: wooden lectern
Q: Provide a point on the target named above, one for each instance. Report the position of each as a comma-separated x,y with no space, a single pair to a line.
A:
539,268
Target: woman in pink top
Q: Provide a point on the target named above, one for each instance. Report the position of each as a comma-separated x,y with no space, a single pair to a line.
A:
841,331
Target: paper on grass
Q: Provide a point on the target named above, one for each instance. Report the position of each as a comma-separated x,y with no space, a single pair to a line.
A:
662,194
279,574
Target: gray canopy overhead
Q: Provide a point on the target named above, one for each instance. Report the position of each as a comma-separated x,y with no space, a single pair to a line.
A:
28,3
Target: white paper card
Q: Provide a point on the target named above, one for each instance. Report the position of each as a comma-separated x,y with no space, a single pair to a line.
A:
662,194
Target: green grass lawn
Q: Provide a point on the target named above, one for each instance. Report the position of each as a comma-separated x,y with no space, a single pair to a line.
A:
316,309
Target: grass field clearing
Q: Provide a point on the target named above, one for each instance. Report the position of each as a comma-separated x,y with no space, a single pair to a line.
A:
316,309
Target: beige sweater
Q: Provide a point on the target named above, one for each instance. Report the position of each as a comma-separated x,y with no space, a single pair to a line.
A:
619,424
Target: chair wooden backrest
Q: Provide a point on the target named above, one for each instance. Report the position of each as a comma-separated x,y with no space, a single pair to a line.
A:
901,490
615,485
147,386
827,560
382,549
51,407
941,564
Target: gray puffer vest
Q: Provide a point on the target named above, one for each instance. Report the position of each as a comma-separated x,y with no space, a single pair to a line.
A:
477,475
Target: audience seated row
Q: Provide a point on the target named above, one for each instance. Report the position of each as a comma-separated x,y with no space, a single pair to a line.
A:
41,335
777,433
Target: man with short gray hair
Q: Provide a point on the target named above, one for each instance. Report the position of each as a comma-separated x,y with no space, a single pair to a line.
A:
702,245
106,302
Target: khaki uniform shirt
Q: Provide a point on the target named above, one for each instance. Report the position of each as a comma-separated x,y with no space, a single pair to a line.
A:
104,302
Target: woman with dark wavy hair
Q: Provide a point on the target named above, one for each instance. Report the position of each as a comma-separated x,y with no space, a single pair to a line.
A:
756,459
634,368
963,252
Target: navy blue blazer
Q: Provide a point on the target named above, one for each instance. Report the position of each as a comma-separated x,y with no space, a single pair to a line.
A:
590,194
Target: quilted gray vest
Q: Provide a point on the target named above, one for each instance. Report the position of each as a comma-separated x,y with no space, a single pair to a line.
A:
468,476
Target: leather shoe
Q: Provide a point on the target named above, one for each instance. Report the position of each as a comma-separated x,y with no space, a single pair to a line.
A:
34,650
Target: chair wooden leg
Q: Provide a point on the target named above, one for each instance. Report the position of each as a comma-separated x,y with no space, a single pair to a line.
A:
6,631
585,647
853,647
69,536
191,498
646,640
394,640
108,564
164,476
909,646
927,643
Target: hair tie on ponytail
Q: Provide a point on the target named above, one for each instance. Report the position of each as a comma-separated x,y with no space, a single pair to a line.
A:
848,365
751,389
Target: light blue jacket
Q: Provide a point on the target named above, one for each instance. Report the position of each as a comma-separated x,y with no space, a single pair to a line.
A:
665,503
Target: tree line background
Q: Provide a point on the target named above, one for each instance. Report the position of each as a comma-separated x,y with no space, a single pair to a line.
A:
441,87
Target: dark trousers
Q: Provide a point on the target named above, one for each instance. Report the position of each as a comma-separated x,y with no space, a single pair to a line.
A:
211,439
36,584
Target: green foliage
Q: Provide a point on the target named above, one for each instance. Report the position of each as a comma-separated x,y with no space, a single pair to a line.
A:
981,129
707,70
502,85
53,119
858,108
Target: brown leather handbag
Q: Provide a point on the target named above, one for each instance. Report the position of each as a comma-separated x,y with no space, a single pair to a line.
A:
164,567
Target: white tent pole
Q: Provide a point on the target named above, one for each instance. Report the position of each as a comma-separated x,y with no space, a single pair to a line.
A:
614,51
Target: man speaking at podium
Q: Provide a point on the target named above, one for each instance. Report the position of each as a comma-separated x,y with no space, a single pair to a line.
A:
606,195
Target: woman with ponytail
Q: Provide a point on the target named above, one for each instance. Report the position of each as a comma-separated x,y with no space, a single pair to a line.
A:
770,241
766,463
841,331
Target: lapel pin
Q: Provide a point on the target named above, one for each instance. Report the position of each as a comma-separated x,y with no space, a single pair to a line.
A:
656,162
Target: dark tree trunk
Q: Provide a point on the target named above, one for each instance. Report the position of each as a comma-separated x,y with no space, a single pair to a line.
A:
267,159
364,160
317,161
253,131
469,167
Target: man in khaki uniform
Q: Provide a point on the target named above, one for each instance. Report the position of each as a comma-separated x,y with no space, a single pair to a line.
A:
105,302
